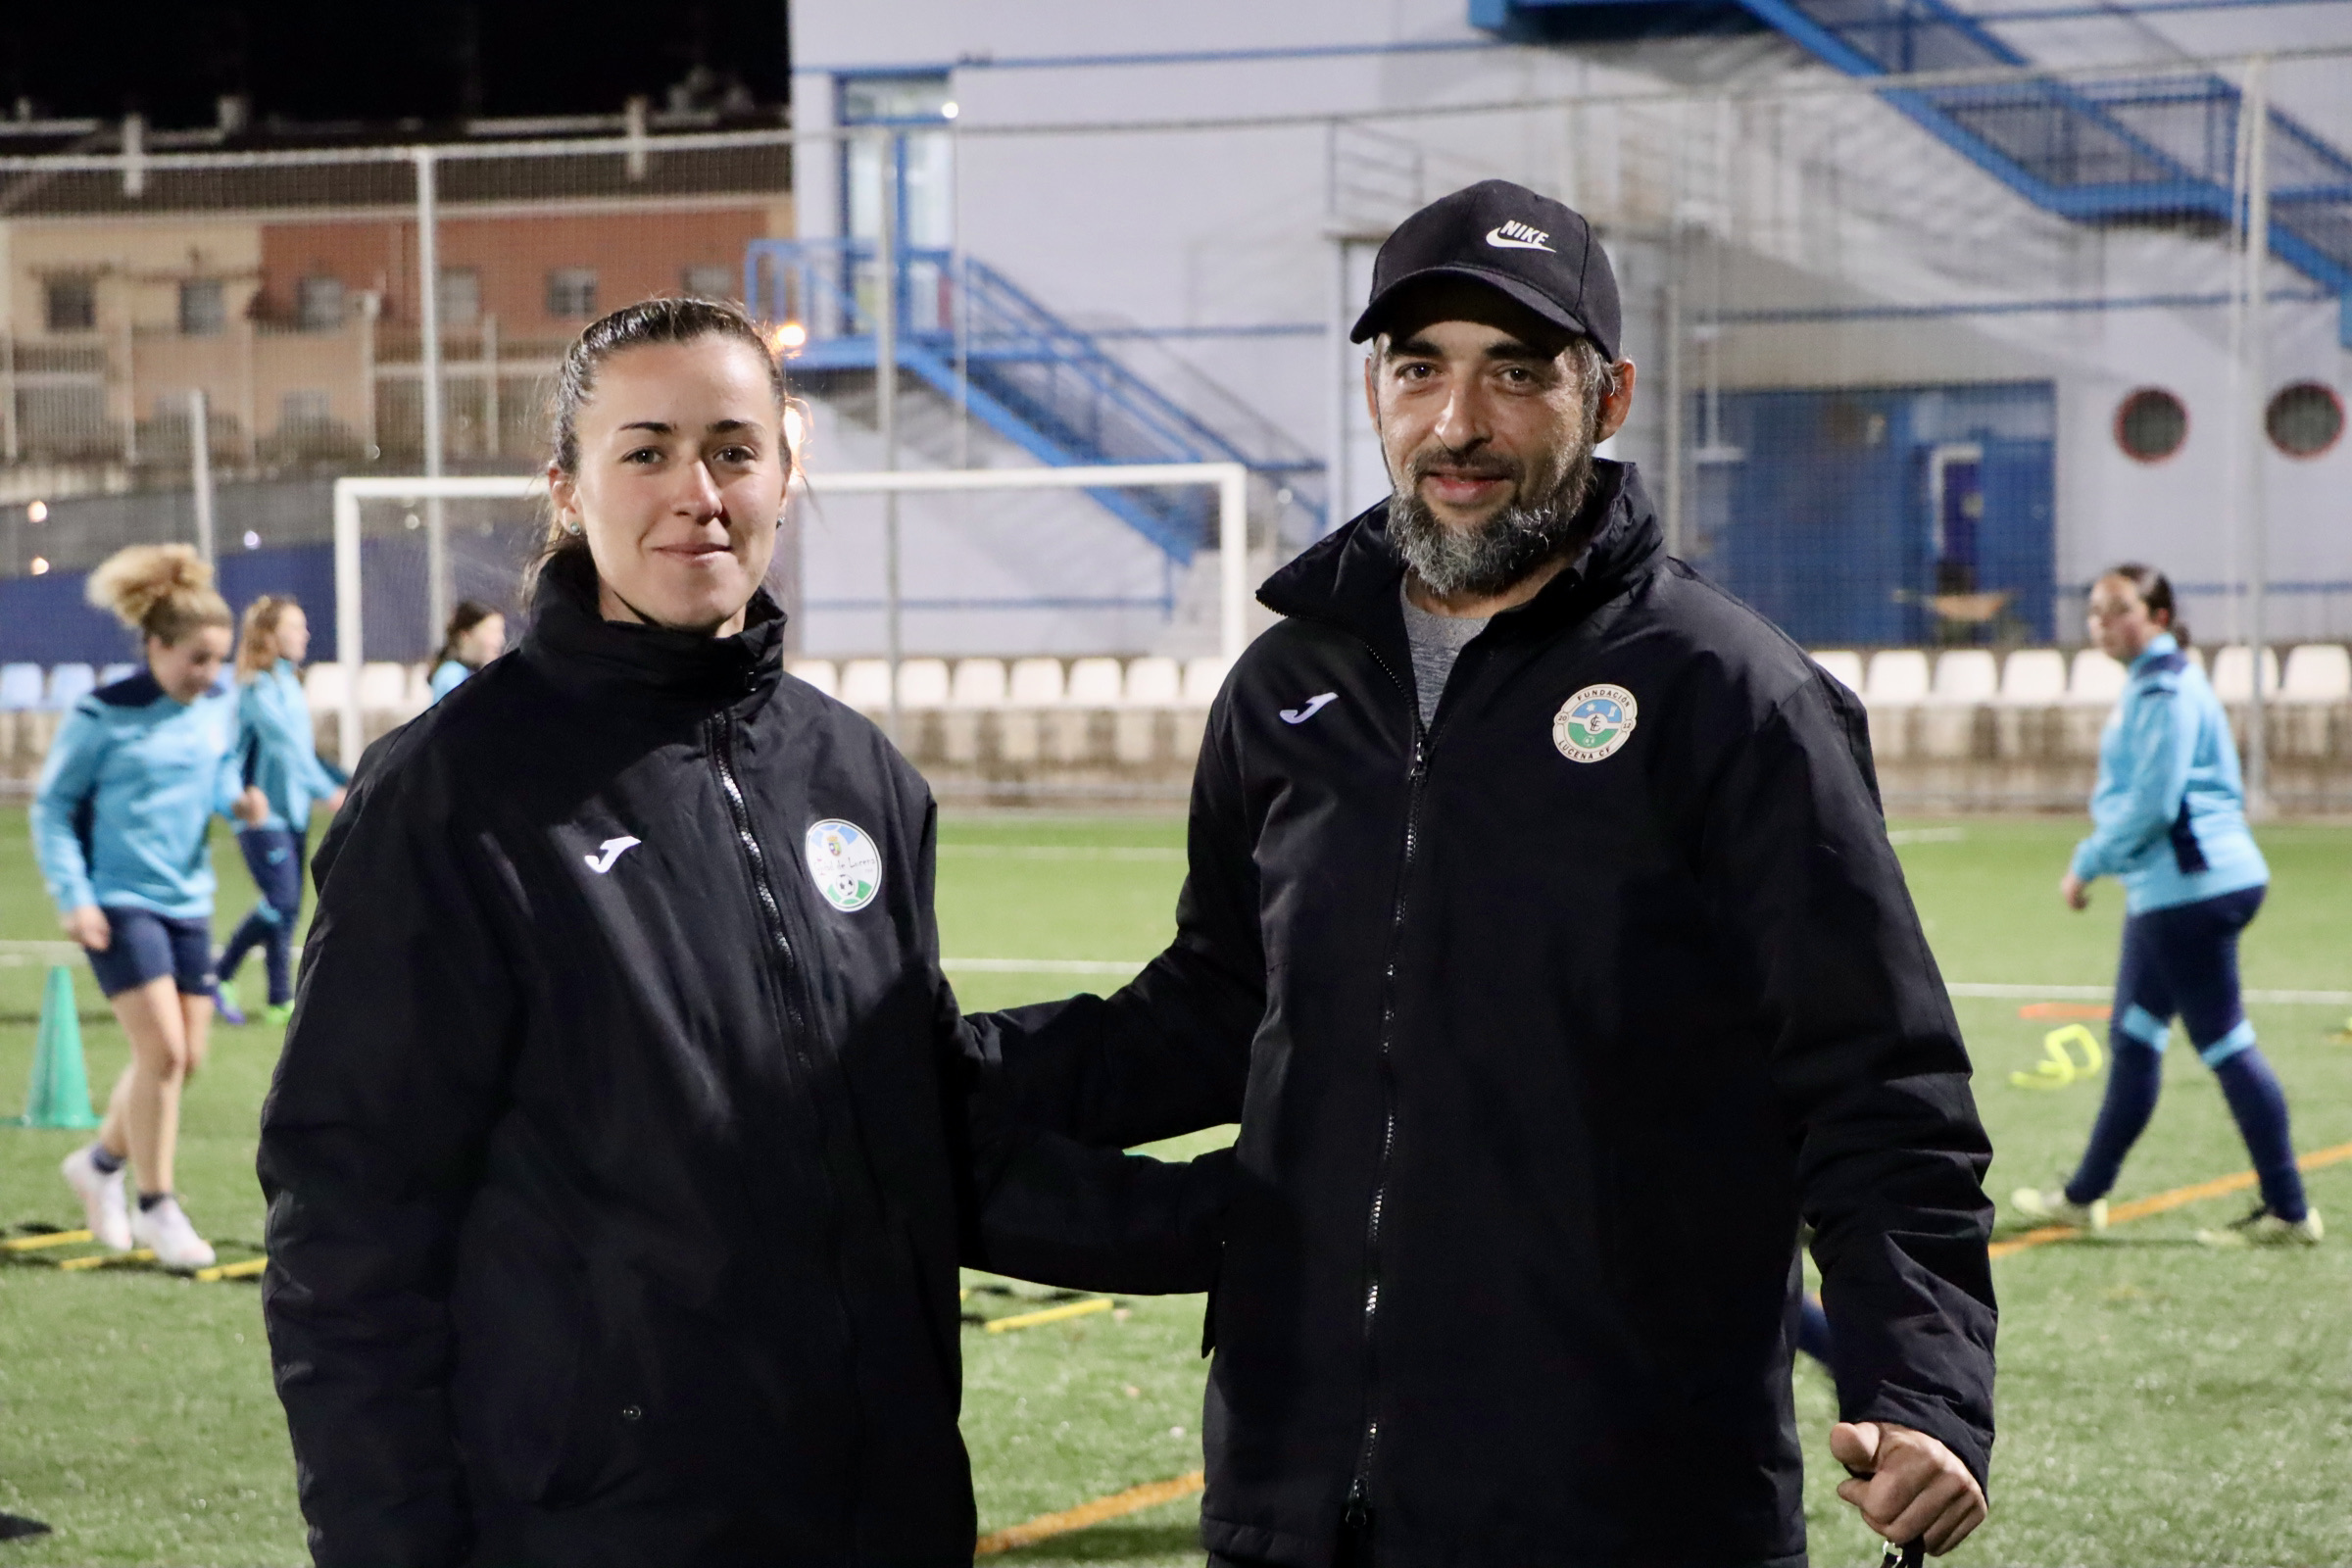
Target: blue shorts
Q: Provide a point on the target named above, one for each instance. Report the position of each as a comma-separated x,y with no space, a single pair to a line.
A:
148,947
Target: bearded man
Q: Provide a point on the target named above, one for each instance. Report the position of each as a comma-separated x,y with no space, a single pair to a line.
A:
1541,932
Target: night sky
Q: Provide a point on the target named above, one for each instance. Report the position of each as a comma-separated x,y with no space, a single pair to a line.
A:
430,60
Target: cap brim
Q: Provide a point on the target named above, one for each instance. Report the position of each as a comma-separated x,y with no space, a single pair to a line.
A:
1515,289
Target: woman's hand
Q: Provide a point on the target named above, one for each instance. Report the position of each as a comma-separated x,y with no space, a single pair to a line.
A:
2075,890
87,926
334,800
253,806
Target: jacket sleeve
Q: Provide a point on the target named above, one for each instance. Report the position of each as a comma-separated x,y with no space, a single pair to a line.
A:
2159,744
1868,1069
69,784
1169,1053
372,1144
1040,1205
229,777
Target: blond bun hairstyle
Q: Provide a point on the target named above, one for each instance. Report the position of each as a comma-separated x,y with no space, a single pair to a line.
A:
160,591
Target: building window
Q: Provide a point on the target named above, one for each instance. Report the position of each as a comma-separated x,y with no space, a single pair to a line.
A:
303,410
2305,419
711,283
460,296
71,304
571,291
319,303
203,306
897,100
2150,424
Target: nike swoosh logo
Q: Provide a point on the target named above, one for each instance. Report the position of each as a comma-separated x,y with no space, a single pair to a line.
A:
1313,705
1503,242
612,849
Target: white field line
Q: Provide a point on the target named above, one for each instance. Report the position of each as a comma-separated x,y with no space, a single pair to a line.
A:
1927,835
1044,966
1057,852
15,952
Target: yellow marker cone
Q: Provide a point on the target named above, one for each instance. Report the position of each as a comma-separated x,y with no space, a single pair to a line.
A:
60,1096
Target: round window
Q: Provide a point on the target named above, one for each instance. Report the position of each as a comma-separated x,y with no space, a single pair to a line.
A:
2304,419
2150,426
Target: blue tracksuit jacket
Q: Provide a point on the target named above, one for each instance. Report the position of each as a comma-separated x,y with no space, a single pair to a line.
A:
127,796
447,676
2169,807
277,751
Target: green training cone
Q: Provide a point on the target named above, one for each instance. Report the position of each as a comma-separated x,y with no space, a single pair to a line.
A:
60,1096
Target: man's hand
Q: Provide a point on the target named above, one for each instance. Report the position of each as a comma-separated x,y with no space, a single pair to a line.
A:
2075,890
1907,1486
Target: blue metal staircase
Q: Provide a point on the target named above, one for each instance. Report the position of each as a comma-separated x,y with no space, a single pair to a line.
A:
2134,145
1032,377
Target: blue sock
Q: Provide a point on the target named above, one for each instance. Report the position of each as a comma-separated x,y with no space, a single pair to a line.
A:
2135,1076
104,1160
2259,1105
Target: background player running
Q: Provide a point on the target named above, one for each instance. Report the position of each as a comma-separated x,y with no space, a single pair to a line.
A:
278,756
119,826
2170,816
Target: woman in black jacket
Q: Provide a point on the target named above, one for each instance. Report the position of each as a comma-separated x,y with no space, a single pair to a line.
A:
626,1139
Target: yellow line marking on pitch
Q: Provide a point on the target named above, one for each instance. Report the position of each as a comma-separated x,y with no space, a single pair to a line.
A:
1052,1314
34,1244
2178,1196
233,1271
141,1256
1048,1525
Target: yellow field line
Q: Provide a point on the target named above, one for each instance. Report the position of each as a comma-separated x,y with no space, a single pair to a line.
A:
2143,1207
142,1255
1048,1525
34,1244
233,1271
1052,1314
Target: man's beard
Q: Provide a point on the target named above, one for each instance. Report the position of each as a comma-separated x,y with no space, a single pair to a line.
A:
1488,556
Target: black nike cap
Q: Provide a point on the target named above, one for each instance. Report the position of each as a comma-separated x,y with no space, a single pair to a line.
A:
1528,247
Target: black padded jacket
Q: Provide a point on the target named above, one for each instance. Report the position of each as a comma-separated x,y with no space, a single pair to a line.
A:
626,1139
1545,1023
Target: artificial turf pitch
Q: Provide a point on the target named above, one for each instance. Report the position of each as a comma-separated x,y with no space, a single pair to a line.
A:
2159,1403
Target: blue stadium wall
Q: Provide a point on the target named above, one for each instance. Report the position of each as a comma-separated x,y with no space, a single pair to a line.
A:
1821,516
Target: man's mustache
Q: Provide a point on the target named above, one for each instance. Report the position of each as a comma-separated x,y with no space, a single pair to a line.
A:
1461,465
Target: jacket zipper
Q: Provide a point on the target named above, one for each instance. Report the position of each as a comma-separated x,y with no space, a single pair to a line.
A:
787,971
1358,1511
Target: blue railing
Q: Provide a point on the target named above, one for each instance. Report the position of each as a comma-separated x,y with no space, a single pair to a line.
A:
1027,375
2143,145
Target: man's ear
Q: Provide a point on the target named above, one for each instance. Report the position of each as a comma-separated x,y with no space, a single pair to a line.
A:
1619,403
1372,383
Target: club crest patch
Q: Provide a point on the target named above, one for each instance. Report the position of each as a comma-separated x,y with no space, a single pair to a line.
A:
1595,724
844,863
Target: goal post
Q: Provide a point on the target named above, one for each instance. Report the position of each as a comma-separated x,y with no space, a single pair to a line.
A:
1230,481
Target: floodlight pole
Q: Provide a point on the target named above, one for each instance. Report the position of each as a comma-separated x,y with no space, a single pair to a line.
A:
428,324
200,474
2254,120
886,399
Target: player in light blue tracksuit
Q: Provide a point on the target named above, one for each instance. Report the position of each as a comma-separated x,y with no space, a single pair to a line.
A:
2170,823
277,755
119,825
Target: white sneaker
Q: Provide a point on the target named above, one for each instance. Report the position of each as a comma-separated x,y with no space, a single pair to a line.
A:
2262,1228
103,1207
2055,1207
165,1231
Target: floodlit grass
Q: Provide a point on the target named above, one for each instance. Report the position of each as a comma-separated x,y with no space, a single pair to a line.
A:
2159,1403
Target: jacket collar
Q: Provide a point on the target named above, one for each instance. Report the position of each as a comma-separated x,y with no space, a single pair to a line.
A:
570,642
2160,646
1351,576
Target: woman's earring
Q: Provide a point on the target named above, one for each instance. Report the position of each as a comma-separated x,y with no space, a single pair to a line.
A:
572,528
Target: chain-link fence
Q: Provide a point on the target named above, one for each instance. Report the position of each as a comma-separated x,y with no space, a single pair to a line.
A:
1918,356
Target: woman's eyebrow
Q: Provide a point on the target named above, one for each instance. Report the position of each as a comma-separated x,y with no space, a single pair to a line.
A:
717,426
